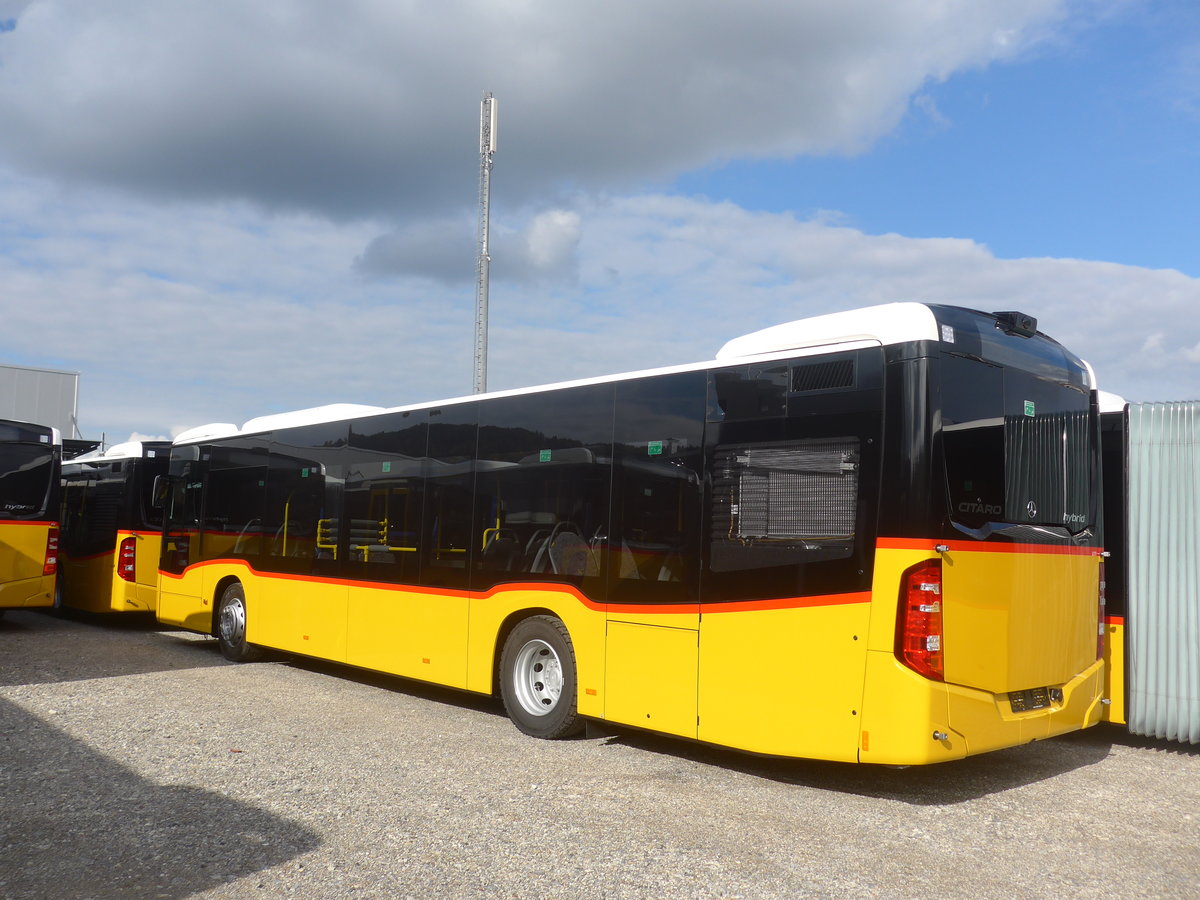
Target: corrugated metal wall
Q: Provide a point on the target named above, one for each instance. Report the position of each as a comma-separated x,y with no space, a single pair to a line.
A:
1163,618
41,396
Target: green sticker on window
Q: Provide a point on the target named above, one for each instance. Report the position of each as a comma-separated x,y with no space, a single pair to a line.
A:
543,456
387,467
1029,410
654,448
304,473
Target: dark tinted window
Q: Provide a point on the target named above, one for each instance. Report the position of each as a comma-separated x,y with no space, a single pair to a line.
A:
446,540
658,452
750,392
147,513
1018,448
302,505
235,499
27,474
385,485
93,495
542,486
182,506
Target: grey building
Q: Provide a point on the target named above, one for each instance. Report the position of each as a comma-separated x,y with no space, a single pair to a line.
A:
43,396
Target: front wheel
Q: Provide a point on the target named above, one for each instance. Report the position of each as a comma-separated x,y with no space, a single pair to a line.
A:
231,627
538,680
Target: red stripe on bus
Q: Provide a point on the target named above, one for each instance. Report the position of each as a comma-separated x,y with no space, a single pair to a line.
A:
554,587
44,523
1114,620
931,545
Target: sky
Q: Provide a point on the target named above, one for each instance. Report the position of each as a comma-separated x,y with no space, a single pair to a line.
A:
214,211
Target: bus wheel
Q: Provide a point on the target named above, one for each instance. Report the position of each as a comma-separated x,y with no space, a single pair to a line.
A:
537,679
231,626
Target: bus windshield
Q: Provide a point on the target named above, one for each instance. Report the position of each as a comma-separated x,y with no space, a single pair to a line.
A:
1017,448
26,471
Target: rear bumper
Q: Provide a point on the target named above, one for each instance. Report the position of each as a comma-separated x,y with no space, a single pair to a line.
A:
937,722
25,592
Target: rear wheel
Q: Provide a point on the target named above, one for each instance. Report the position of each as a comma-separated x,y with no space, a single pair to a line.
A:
538,679
231,626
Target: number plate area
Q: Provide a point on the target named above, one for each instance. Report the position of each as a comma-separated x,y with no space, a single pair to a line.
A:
1034,698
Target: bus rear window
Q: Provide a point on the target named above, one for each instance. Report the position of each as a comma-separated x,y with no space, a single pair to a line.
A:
1017,447
25,474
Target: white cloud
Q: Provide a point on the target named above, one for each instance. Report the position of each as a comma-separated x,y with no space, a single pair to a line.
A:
369,108
223,314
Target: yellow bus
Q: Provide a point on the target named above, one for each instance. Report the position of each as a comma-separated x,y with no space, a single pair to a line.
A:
868,536
111,529
30,457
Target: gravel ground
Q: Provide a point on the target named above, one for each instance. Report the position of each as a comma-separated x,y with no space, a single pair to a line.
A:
136,762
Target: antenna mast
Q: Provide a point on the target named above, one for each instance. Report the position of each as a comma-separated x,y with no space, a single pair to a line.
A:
487,148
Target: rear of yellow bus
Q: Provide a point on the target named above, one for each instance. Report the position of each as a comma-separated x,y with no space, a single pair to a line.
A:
29,465
989,550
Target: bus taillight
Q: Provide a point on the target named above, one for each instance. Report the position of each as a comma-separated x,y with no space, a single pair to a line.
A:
127,559
50,566
1100,617
919,620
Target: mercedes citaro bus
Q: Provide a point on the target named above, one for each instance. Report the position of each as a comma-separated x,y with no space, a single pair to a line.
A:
867,536
30,457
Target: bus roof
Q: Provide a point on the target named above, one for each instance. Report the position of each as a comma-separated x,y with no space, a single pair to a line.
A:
29,432
889,323
126,450
872,326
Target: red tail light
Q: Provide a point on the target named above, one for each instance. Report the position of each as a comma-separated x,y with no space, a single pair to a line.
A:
50,566
1100,617
919,620
127,559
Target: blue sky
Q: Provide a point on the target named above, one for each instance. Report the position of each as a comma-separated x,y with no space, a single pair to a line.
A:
1087,147
222,210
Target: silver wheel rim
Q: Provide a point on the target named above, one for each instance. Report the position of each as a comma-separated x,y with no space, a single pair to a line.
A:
233,621
537,678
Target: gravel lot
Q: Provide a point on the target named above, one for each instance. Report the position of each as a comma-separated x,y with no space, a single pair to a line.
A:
136,762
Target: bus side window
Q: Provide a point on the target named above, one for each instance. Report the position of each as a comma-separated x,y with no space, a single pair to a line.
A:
234,506
658,489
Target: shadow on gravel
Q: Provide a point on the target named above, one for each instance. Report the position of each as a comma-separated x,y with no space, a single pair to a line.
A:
411,687
935,785
78,825
50,647
1161,745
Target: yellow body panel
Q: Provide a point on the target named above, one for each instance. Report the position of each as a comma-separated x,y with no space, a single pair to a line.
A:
295,614
784,681
1114,671
182,600
650,677
92,583
1019,620
22,560
409,632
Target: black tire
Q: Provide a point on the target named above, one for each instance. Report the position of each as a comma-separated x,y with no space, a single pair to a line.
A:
538,681
231,626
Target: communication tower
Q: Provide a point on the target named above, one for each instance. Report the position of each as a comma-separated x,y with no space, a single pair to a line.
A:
487,149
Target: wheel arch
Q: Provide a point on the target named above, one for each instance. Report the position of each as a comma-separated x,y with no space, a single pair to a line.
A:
511,621
218,590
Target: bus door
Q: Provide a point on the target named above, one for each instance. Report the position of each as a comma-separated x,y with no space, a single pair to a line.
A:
181,599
